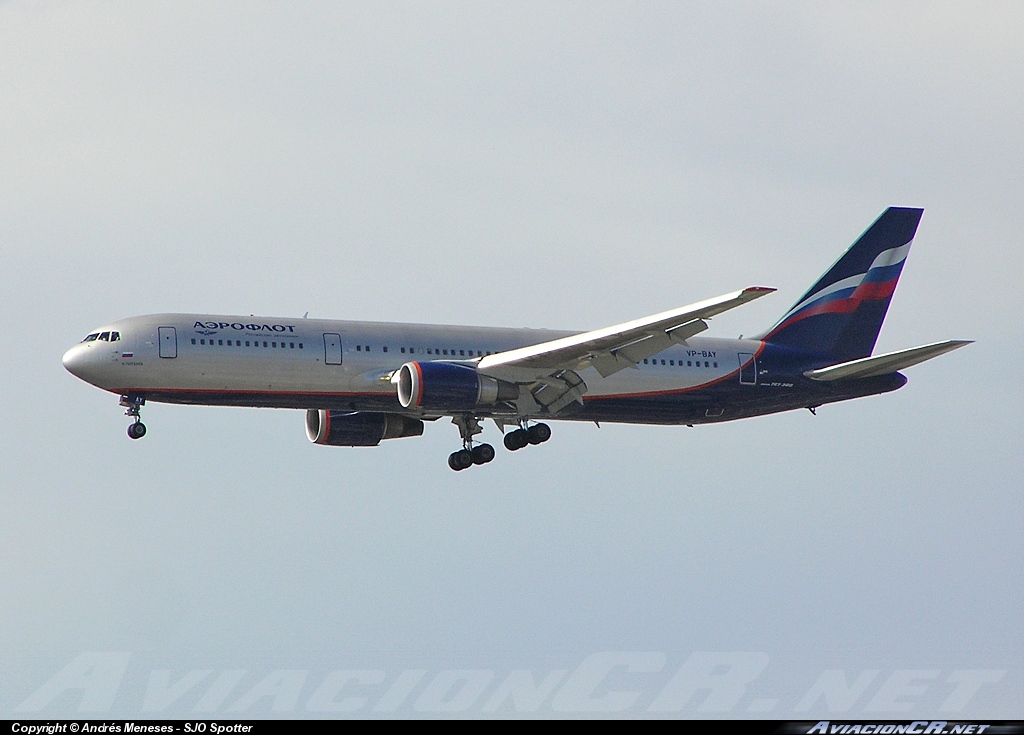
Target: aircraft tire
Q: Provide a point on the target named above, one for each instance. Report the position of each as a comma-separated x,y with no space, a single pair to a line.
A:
460,460
483,453
538,433
515,440
136,430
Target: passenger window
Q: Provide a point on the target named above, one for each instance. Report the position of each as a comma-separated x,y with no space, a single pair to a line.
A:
359,348
300,345
645,362
220,342
367,348
385,348
706,364
689,363
273,344
715,365
193,340
246,343
291,345
429,352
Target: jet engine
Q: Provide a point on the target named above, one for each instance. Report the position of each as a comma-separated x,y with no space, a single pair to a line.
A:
358,429
449,386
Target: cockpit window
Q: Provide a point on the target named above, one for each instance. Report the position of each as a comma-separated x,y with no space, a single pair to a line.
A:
91,337
104,336
115,336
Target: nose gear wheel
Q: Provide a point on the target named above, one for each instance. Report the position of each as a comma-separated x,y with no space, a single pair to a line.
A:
133,406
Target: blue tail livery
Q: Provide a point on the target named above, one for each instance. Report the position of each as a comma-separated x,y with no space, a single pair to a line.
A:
841,315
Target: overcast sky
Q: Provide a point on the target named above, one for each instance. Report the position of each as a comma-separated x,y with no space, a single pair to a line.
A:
566,165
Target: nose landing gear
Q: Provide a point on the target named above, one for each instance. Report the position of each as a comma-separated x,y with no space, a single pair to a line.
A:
132,405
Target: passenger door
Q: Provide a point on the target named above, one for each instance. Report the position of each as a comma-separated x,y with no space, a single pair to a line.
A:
168,342
332,348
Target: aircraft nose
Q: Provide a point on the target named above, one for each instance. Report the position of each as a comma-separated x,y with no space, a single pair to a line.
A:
74,361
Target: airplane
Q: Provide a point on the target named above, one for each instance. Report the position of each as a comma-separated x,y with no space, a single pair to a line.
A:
363,382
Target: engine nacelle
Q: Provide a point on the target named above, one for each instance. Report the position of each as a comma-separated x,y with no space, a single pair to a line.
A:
449,386
358,429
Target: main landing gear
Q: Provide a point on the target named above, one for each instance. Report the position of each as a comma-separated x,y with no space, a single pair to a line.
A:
132,405
471,453
464,458
536,434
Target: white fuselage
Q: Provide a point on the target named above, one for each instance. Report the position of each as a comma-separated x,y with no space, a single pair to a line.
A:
314,363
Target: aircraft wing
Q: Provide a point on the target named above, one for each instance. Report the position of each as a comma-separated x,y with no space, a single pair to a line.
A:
553,364
890,362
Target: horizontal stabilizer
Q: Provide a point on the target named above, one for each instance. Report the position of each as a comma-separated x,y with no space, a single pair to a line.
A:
890,362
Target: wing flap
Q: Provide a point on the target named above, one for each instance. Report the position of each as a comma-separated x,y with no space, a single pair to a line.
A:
890,362
652,344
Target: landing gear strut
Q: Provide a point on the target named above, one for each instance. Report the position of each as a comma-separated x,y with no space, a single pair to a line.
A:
471,453
132,405
536,434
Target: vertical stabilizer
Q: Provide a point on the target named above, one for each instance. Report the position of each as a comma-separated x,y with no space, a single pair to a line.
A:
841,315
